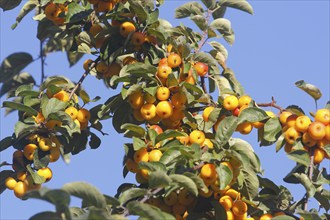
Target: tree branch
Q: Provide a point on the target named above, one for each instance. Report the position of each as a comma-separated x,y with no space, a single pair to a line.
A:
271,104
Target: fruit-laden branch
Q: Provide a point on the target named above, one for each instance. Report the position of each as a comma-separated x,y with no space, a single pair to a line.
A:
271,104
91,66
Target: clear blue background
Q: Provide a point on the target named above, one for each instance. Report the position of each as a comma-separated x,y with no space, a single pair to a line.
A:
283,42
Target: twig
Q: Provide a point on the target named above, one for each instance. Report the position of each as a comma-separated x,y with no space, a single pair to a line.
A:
91,66
41,53
310,176
203,84
271,104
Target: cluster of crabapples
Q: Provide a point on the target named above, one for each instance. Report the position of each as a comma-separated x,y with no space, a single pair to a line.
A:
314,135
56,12
44,143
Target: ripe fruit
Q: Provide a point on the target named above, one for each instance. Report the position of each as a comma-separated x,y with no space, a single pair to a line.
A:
207,142
10,183
316,130
201,68
103,6
102,67
206,113
54,154
131,165
163,93
178,114
302,123
51,124
164,109
83,115
284,116
208,173
29,151
230,102
308,140
21,175
318,155
233,194
197,136
226,202
46,172
87,63
230,215
178,100
126,28
45,144
138,38
266,216
157,128
39,118
174,60
141,155
113,70
72,111
323,116
291,120
148,111
20,189
239,207
136,100
327,132
155,155
291,135
62,95
244,128
244,100
163,71
236,112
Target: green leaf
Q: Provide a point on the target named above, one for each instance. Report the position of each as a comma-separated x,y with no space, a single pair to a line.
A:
131,193
170,155
225,175
36,178
77,13
22,129
135,130
280,142
13,64
139,10
9,4
323,197
86,192
6,142
200,21
300,156
138,143
223,25
223,85
40,159
10,86
308,215
186,183
189,9
219,210
53,105
235,84
309,89
250,183
4,174
29,6
73,57
252,114
283,217
225,130
306,182
20,107
59,198
55,80
84,96
147,211
210,4
198,181
158,179
272,130
242,5
169,134
152,166
46,215
290,178
205,58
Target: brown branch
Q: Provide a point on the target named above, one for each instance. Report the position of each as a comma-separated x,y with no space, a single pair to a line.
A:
91,66
271,104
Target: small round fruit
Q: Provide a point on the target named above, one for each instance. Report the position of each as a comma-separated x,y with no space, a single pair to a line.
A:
291,120
163,71
131,165
284,116
207,142
45,144
226,202
171,199
20,189
197,136
308,140
21,175
266,216
319,155
234,194
157,128
244,128
87,63
302,123
126,28
148,111
244,100
95,29
102,67
323,116
163,93
83,115
239,207
174,60
141,155
62,95
138,38
291,135
10,183
316,130
28,151
51,124
39,118
72,111
164,109
55,154
136,100
206,113
230,102
113,70
178,100
185,198
201,68
46,172
208,173
155,155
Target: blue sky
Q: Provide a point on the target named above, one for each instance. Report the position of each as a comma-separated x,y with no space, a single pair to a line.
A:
283,42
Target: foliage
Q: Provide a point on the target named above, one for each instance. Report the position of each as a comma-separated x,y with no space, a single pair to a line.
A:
186,162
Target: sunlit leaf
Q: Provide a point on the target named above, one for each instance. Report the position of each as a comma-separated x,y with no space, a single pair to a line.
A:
132,193
158,179
188,9
242,5
185,182
309,89
147,211
300,156
225,130
169,134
